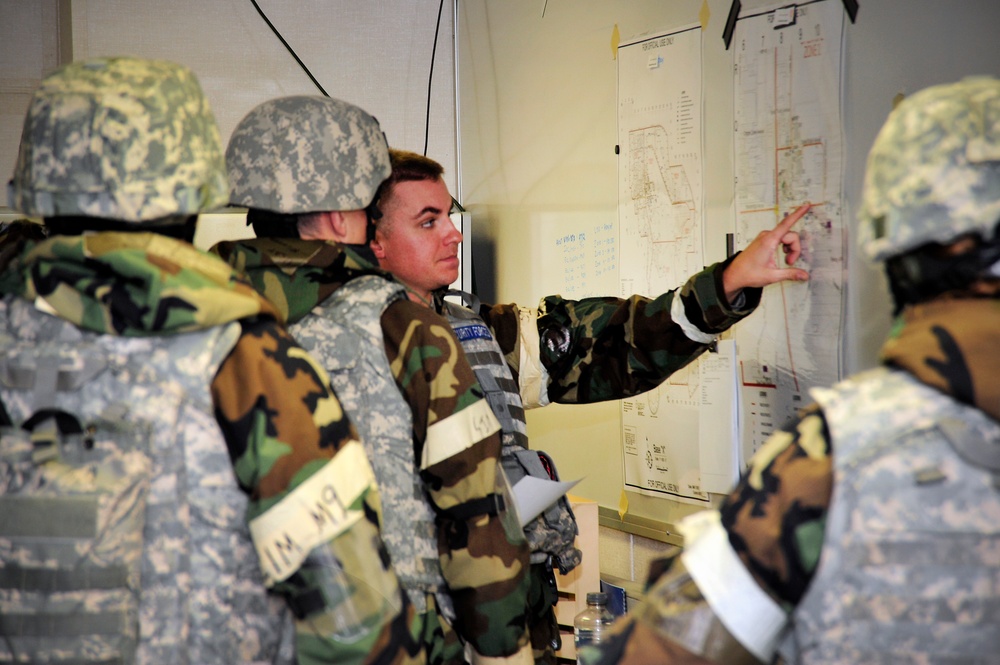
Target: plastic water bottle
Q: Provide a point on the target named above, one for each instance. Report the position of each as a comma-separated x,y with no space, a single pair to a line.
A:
590,625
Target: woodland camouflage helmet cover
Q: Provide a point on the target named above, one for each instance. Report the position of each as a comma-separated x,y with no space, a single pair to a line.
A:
127,139
306,154
933,172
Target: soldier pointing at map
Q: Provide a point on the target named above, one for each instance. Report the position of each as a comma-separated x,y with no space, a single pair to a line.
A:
565,351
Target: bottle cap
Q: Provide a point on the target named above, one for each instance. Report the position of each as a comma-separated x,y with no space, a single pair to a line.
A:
598,597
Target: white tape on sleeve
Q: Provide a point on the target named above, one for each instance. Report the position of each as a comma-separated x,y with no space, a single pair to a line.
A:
745,609
313,513
533,379
457,432
679,316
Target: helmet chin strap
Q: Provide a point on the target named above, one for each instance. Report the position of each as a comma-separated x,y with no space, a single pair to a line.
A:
177,226
373,214
927,272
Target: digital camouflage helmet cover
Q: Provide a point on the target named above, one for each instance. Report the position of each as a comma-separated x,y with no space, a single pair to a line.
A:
933,171
304,154
124,138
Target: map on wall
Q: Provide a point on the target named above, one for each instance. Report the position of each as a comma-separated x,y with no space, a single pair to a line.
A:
660,221
787,151
693,434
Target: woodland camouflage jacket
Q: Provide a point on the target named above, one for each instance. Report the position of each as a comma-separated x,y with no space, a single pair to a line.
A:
280,420
604,348
484,568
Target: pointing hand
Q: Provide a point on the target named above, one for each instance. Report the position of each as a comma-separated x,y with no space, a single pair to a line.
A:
756,265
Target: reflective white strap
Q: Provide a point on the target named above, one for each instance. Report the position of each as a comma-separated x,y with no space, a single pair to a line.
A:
744,608
533,380
457,432
679,316
313,513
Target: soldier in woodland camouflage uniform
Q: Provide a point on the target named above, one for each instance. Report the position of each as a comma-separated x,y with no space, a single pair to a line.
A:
165,405
867,530
307,167
564,351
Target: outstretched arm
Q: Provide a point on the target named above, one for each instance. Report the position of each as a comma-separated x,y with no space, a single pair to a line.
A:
597,349
757,266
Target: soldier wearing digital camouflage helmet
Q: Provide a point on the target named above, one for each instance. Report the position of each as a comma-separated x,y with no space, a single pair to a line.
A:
307,168
866,531
160,403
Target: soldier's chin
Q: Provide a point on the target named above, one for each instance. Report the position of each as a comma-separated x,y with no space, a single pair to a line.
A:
450,275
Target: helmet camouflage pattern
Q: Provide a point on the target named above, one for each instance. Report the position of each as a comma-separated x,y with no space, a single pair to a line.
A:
121,138
933,172
306,154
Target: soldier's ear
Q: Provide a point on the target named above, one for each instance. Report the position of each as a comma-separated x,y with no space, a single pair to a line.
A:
377,247
337,224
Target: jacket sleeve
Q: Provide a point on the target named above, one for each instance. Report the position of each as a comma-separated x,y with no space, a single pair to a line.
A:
312,500
603,348
775,514
753,558
484,557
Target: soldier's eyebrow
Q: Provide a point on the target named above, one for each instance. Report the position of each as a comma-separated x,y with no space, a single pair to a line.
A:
434,210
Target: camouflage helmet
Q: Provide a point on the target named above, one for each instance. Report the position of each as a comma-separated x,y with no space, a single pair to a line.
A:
306,154
933,172
124,138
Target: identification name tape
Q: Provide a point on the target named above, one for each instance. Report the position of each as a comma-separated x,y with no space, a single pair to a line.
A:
313,513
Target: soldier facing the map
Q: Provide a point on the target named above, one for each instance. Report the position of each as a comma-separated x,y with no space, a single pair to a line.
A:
866,530
565,351
151,401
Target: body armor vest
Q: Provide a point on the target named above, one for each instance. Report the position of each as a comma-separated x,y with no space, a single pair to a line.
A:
145,555
344,334
909,562
553,532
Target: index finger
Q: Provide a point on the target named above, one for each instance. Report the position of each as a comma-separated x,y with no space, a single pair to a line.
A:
790,220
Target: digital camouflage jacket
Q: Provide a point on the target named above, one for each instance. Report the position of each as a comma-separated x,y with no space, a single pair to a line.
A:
484,568
281,422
